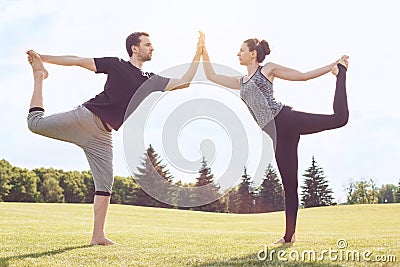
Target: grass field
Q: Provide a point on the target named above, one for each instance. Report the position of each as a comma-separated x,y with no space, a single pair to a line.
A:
57,235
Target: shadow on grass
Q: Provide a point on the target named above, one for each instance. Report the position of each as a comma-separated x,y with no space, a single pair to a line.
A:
266,260
5,261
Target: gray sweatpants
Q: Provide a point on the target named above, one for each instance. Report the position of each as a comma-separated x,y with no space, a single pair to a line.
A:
81,127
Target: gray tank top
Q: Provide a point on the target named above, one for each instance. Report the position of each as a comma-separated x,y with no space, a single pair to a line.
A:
258,94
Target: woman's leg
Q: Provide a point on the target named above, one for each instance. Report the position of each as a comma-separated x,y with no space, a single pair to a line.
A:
285,143
289,125
307,123
287,161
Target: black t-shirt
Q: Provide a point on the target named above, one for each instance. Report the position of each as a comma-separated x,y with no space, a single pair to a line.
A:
123,82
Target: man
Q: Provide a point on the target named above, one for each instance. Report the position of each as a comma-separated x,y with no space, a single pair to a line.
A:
89,125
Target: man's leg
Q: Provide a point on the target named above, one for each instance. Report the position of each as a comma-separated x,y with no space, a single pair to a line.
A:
63,126
99,153
100,205
39,74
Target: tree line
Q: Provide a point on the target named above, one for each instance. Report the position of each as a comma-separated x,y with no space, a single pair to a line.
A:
58,186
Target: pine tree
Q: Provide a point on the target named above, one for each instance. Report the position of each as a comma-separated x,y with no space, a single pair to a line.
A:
211,192
149,178
231,199
315,190
270,193
245,197
184,195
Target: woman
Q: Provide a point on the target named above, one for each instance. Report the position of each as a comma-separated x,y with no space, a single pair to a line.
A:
283,124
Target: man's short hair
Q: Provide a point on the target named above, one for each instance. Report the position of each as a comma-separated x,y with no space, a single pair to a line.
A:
133,39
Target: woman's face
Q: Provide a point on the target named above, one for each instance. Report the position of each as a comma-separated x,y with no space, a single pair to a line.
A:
245,55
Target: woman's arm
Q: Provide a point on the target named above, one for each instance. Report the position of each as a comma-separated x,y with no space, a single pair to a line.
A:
272,70
227,81
87,63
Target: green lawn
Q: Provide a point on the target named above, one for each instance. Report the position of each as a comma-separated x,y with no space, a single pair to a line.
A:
58,234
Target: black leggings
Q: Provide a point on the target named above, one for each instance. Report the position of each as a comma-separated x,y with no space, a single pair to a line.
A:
289,125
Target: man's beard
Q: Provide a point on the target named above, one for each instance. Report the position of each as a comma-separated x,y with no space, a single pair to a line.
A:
145,57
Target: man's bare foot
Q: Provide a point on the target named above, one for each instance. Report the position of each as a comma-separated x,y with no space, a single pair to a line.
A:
282,240
343,61
102,241
37,65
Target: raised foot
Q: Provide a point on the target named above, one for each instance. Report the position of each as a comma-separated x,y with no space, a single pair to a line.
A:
102,241
37,65
343,61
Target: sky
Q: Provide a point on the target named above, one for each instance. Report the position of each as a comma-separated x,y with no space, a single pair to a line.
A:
303,35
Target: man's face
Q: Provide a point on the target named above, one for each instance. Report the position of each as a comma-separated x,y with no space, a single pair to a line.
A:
145,49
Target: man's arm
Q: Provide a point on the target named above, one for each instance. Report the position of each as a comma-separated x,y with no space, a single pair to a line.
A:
87,63
184,82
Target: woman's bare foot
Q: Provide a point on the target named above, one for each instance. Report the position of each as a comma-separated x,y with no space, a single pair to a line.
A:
37,65
282,240
102,241
343,61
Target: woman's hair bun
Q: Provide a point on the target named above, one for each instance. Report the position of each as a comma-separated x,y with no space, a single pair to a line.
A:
265,47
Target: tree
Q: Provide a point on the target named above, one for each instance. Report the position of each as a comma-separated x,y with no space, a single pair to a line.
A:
372,194
210,190
74,187
315,191
50,189
23,186
357,193
87,177
362,192
270,193
184,195
387,193
231,200
206,177
149,178
123,190
49,184
5,176
397,197
245,198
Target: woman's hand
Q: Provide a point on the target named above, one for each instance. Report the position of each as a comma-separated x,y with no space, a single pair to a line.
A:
202,38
